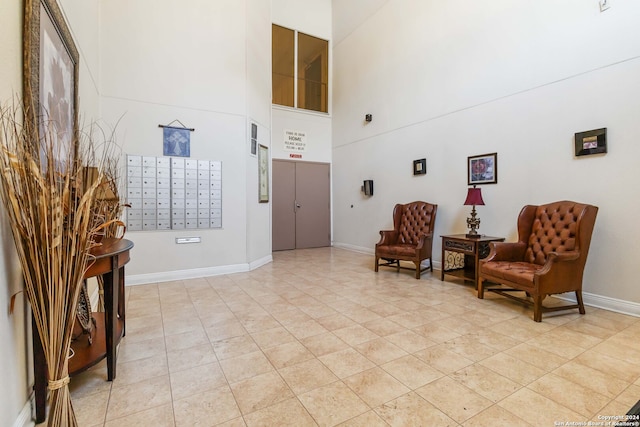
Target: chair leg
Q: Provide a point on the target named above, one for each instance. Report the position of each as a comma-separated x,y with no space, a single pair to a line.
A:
417,270
377,263
537,308
430,265
580,303
481,288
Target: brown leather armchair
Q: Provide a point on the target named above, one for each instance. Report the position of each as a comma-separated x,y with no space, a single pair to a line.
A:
411,238
549,257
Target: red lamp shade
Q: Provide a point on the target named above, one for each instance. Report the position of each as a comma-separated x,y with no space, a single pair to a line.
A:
474,197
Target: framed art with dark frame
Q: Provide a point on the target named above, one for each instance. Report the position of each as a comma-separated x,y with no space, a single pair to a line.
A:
263,174
482,169
420,167
591,142
50,88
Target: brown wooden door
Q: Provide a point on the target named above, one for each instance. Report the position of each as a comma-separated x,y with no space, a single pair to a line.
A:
301,205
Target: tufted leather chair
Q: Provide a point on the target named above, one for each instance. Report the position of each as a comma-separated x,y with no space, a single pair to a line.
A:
411,238
549,257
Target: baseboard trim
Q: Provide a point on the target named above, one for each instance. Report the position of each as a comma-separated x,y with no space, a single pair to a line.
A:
605,303
24,417
195,273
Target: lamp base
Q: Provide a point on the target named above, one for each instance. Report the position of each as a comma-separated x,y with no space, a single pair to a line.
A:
473,236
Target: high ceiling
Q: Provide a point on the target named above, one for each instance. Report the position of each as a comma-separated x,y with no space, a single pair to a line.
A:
347,15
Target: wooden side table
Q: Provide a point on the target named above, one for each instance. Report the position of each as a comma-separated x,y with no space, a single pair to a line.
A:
473,249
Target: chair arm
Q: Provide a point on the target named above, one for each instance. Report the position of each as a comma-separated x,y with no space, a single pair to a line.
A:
501,251
388,237
556,259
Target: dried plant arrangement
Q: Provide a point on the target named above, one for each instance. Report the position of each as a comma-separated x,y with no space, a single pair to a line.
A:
51,214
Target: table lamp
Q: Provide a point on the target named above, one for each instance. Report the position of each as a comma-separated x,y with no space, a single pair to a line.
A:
474,197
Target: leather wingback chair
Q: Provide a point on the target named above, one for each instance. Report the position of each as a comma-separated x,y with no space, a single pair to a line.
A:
411,238
549,257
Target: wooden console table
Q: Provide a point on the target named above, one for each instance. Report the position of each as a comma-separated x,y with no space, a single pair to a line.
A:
109,328
473,249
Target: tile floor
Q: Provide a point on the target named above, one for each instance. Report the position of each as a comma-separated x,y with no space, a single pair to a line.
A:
318,338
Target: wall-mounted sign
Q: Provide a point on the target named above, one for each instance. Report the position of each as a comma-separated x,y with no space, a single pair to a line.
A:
295,140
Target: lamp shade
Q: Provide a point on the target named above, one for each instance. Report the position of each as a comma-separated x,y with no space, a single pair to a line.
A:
474,197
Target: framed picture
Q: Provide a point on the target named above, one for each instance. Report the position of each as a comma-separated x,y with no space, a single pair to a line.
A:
263,174
420,167
50,88
482,169
254,139
591,142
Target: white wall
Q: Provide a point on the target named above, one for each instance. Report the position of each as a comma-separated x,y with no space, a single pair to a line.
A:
13,347
205,64
447,80
258,54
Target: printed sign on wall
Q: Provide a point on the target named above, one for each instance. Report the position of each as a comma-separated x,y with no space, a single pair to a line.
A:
295,140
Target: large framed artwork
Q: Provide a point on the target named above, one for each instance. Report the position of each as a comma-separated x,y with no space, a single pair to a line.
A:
50,89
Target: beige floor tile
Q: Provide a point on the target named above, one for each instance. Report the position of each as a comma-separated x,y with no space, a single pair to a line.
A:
272,337
128,351
442,359
485,382
513,368
234,347
333,404
287,413
260,391
209,408
537,409
368,419
383,327
307,376
354,335
543,359
288,354
185,340
245,366
603,362
584,401
380,351
140,369
306,329
345,363
412,371
323,344
160,416
630,396
90,408
455,400
196,380
335,321
191,357
593,379
409,341
412,410
224,330
139,396
495,416
375,386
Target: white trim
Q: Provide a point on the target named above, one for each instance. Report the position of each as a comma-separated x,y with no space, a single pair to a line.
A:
168,276
606,303
24,418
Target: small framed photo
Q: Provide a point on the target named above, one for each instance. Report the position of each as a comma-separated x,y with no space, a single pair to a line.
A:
482,169
420,167
263,174
591,142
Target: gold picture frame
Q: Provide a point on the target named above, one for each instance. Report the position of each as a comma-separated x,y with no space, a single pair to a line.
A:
263,174
50,80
